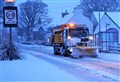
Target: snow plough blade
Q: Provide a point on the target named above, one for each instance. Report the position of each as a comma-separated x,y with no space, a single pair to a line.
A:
84,51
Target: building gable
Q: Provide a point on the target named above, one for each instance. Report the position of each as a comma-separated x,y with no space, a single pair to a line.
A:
105,23
115,17
116,22
79,18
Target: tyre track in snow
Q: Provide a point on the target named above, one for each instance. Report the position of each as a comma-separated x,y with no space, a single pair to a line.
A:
113,68
106,66
98,63
78,71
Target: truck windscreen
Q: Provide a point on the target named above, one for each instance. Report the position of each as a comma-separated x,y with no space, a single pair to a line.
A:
78,32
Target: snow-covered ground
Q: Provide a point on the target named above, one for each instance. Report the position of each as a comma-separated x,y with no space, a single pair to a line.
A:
32,69
40,64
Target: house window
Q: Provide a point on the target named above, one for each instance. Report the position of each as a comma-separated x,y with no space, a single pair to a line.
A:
108,38
112,35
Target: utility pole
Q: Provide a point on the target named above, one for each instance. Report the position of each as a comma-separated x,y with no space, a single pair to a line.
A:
99,34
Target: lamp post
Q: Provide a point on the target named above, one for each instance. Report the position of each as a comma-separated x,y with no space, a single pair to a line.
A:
99,34
11,4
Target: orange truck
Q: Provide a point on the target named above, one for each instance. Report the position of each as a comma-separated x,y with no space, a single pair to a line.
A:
73,40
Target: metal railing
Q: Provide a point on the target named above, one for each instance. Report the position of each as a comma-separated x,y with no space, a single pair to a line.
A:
114,48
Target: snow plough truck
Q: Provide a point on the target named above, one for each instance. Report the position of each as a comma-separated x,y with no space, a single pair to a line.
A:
73,40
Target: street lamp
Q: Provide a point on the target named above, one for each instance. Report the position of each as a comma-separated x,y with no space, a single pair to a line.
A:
9,1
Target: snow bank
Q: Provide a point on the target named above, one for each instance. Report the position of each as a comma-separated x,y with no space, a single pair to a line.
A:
109,56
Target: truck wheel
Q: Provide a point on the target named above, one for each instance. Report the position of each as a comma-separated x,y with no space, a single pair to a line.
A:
94,56
67,53
81,56
71,56
55,52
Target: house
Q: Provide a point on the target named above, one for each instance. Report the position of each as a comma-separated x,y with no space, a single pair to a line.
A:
107,32
38,34
48,38
77,17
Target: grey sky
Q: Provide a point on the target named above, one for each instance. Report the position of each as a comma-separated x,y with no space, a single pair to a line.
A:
57,6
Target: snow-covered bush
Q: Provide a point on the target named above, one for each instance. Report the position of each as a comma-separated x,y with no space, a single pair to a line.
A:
9,52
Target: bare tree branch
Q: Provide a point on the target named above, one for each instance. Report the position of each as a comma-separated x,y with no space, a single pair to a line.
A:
99,5
31,12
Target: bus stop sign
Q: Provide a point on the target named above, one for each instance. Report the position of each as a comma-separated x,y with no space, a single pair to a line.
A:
10,16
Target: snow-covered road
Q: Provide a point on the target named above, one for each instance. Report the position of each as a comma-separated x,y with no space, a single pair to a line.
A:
102,68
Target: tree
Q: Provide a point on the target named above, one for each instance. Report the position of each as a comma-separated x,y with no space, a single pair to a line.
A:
33,13
99,5
1,6
1,17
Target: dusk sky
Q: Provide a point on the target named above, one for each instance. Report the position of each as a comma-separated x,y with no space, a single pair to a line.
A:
57,6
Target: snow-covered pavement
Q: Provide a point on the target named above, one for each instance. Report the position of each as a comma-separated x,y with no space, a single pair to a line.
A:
104,68
32,69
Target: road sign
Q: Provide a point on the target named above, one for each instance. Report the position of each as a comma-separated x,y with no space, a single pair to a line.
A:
10,18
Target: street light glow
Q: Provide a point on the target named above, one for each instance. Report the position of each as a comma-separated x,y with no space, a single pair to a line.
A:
9,0
71,24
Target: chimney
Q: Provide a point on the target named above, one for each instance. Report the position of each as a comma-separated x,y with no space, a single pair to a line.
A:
64,13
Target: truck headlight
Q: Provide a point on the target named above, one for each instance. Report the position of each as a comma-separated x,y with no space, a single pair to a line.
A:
91,37
71,49
69,37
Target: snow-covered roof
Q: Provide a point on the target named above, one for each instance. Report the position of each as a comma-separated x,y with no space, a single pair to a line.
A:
98,15
115,16
109,20
79,18
66,18
94,20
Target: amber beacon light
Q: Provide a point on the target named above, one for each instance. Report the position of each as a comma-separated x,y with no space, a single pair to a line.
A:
71,24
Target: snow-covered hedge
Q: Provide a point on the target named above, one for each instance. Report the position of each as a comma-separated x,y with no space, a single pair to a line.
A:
9,52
